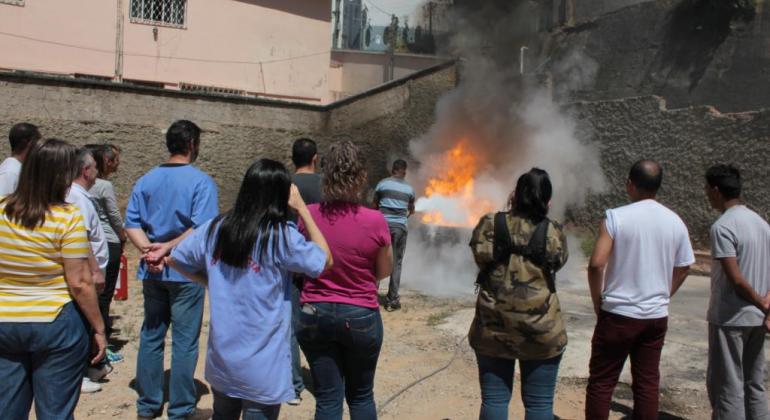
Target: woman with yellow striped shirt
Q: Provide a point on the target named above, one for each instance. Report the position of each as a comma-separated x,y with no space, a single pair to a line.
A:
47,296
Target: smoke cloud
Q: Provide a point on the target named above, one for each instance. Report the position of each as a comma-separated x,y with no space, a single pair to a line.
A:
511,122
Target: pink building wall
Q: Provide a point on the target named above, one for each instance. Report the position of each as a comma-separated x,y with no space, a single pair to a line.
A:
272,48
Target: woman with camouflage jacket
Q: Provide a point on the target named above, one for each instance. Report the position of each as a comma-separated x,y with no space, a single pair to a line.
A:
517,312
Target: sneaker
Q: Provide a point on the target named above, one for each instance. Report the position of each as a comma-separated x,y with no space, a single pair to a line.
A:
96,374
88,387
390,307
295,402
200,414
113,357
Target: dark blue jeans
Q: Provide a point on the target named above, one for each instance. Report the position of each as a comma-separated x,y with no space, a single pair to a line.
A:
296,369
181,306
44,361
538,383
342,344
229,408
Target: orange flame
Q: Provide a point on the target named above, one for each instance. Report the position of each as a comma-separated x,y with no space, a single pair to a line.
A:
456,182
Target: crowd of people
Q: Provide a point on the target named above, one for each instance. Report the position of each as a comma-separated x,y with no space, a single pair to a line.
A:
294,265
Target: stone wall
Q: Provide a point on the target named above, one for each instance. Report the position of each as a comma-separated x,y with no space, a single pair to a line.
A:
237,130
686,142
689,52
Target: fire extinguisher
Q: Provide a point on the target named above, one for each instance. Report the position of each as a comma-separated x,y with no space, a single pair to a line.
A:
121,288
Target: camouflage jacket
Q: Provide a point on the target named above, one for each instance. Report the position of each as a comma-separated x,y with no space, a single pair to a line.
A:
517,317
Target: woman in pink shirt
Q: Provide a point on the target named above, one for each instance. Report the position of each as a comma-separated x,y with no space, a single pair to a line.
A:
339,327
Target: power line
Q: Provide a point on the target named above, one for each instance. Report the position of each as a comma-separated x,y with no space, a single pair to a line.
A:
370,2
167,57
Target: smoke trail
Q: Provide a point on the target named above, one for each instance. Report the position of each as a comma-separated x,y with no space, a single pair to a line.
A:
512,123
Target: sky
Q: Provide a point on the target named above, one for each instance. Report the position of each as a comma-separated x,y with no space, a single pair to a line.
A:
380,10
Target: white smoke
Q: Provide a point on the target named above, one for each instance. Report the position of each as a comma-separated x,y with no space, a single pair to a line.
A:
512,123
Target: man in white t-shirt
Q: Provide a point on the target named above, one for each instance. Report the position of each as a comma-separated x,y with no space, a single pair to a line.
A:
740,282
646,250
22,137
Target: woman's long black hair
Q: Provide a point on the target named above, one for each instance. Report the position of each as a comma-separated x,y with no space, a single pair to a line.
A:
260,214
532,194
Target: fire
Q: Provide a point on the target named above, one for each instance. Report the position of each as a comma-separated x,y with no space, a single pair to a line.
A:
450,196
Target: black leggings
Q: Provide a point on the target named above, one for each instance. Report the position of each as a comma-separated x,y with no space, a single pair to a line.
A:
110,280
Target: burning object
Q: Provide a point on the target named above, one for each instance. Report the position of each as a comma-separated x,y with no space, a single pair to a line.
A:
450,197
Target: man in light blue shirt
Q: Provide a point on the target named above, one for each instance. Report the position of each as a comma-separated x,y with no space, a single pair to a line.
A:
166,204
395,199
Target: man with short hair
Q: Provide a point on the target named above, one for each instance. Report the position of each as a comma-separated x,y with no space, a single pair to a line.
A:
97,260
740,282
646,250
304,155
395,199
22,137
166,204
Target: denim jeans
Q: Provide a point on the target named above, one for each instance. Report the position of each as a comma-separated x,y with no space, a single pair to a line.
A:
181,305
342,344
229,408
296,369
398,234
538,383
44,362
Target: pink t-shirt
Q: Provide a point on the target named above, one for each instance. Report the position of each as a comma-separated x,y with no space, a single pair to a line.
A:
355,234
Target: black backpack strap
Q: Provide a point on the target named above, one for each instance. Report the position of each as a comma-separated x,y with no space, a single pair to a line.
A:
538,254
502,242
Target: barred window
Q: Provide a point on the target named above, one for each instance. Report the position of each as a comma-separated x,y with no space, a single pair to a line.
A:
159,12
15,2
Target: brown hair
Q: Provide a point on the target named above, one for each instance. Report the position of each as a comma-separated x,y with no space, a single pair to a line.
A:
344,173
46,176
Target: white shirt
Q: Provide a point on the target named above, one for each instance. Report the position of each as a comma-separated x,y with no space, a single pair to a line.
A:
9,175
649,240
82,199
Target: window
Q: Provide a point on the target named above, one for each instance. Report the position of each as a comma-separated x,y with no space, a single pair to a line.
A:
159,12
14,2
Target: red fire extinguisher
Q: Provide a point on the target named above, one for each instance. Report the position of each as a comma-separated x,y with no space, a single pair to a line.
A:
121,288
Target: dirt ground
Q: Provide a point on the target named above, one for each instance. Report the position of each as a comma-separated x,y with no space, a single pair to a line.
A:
425,336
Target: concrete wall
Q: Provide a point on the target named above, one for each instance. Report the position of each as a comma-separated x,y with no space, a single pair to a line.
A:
271,47
356,71
686,142
238,130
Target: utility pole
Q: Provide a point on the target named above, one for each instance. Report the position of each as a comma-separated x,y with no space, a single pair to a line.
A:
430,17
336,34
118,77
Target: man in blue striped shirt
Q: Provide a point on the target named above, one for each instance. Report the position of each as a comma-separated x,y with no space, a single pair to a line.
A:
395,199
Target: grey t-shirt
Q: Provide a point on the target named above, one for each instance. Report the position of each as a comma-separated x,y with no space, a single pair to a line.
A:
309,186
743,234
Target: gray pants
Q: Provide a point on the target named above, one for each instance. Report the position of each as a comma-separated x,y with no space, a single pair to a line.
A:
398,240
736,373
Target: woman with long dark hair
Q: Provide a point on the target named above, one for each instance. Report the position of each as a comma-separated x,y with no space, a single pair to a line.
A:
245,256
107,159
518,316
339,327
44,335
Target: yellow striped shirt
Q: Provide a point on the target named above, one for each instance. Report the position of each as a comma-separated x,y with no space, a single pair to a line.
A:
32,286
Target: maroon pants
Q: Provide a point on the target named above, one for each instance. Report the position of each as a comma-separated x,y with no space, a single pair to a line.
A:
615,338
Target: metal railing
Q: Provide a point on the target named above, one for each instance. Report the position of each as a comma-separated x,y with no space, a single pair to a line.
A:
159,12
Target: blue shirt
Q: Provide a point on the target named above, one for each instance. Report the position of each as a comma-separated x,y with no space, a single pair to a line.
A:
248,354
394,196
166,202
